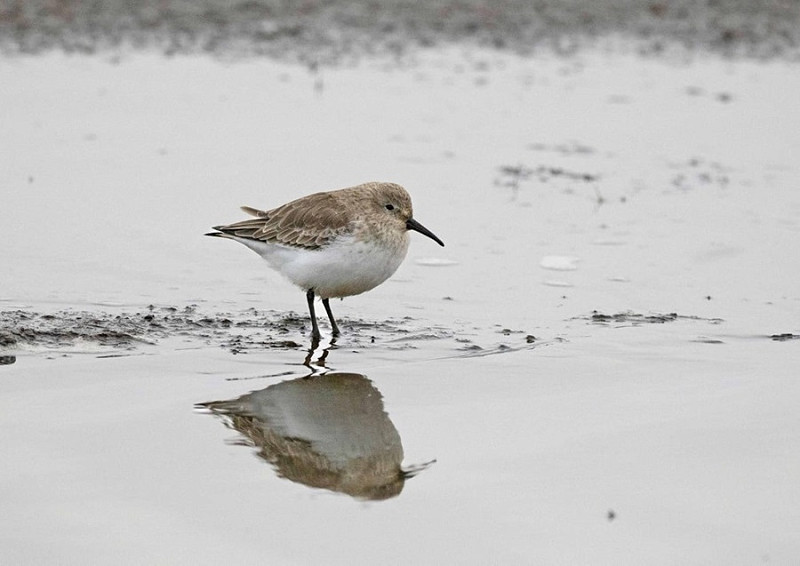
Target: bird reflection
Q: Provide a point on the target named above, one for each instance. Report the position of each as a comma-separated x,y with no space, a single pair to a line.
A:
326,431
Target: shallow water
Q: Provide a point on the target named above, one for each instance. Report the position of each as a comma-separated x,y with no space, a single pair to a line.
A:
601,361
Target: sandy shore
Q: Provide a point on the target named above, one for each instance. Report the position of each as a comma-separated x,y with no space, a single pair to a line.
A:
599,368
336,32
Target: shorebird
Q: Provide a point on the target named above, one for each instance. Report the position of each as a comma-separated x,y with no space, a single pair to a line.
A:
332,244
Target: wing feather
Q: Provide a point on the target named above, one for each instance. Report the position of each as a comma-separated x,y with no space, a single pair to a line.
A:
253,211
309,222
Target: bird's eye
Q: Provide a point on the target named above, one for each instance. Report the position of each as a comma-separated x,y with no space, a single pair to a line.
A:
389,207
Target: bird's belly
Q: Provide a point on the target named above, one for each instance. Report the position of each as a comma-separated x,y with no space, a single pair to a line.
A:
343,268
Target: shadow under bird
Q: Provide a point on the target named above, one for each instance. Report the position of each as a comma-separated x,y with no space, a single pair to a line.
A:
333,244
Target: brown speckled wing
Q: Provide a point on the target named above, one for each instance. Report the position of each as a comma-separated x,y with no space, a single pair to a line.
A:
310,222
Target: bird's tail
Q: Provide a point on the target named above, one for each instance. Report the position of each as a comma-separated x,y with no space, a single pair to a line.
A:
218,234
244,228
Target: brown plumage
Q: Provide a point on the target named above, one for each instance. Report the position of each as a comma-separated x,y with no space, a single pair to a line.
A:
332,244
311,222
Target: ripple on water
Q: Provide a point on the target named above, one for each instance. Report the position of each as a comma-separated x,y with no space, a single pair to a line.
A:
559,262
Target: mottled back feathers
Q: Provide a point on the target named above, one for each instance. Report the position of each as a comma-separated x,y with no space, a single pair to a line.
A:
313,221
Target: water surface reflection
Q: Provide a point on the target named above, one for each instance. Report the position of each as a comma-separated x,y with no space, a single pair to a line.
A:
326,431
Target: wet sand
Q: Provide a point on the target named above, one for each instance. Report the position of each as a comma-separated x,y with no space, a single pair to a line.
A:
339,32
600,367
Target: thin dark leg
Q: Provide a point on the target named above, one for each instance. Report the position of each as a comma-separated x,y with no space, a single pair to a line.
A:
314,328
334,328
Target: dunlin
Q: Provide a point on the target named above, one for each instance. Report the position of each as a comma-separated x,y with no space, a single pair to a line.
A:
332,244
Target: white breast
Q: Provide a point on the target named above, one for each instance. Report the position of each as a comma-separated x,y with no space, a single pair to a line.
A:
343,268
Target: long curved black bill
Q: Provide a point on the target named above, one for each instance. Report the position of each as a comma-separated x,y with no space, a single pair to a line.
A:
412,224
